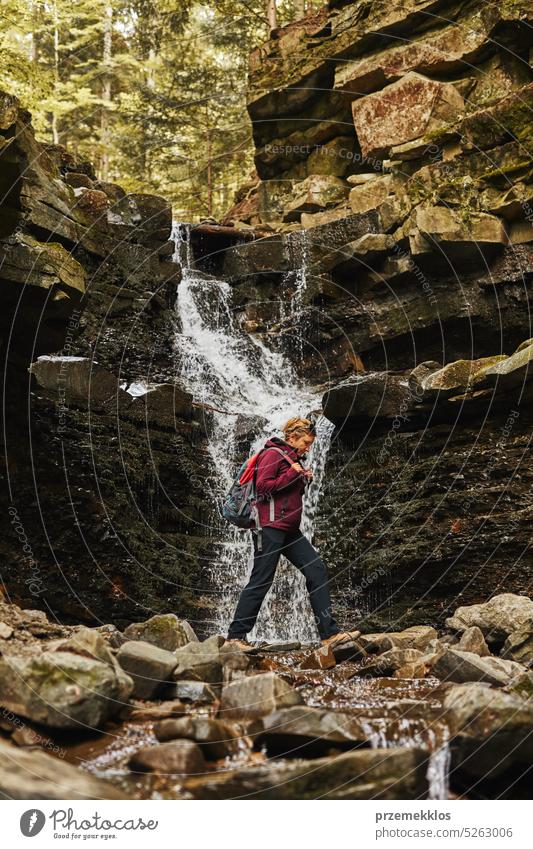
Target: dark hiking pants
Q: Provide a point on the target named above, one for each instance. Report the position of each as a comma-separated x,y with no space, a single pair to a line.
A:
299,551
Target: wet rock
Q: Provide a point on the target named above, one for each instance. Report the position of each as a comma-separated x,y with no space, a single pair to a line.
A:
200,661
215,738
472,640
177,757
61,689
462,666
492,731
365,774
235,662
272,648
150,667
350,650
36,775
497,618
193,691
389,661
256,696
164,630
308,732
519,645
417,637
322,658
405,110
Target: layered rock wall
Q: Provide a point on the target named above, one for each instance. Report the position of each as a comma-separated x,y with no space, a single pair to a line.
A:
104,458
394,163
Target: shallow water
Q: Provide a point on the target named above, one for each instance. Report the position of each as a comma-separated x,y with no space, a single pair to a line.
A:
397,713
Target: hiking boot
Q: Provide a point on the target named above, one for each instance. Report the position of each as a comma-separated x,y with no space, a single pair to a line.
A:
239,644
340,638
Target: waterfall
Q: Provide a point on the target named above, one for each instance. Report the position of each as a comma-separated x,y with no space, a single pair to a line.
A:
233,371
406,733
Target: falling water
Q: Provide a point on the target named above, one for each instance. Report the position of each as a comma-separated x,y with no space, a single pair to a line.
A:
407,733
232,371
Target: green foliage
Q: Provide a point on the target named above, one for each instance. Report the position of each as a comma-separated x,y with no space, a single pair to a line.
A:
152,91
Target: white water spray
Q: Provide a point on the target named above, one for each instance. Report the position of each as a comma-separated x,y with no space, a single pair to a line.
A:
229,369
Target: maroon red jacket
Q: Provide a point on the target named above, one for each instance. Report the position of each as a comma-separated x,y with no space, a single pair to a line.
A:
276,480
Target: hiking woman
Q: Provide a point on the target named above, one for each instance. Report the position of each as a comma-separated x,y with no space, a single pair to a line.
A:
280,484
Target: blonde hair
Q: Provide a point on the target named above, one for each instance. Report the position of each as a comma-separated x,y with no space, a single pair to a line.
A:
296,427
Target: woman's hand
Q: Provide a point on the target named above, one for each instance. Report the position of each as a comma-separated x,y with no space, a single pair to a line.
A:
307,473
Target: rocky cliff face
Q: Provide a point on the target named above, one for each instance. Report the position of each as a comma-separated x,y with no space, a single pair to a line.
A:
385,242
104,457
393,156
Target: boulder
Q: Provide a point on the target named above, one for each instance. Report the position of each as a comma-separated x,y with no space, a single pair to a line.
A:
45,265
164,630
314,194
61,689
472,640
76,379
193,691
6,631
497,618
35,775
367,397
412,107
440,51
309,732
519,645
492,730
235,662
149,666
200,661
457,237
257,695
390,661
369,195
322,658
417,637
366,774
463,666
458,375
349,650
88,642
177,757
215,738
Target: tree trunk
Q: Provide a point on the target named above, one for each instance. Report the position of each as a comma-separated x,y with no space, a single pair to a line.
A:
271,15
300,8
106,93
55,131
209,173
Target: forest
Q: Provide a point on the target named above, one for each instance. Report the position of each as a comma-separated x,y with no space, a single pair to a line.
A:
153,92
